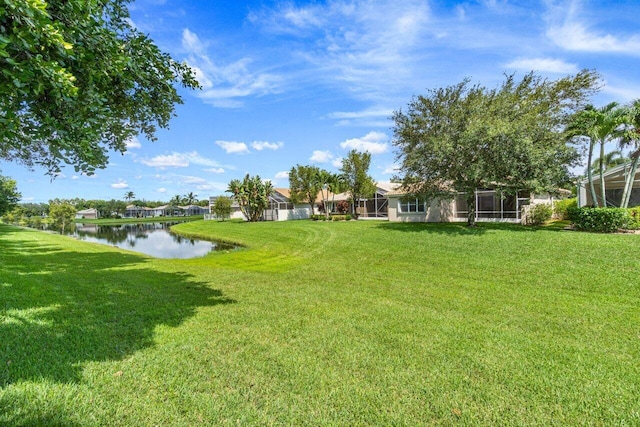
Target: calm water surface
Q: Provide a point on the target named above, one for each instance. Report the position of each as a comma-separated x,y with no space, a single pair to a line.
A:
148,238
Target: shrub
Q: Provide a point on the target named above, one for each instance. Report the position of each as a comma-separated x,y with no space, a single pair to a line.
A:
342,206
539,214
634,218
561,207
316,217
604,220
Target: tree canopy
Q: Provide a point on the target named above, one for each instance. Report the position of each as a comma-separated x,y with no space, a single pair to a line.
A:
466,137
305,182
252,194
9,195
356,179
78,80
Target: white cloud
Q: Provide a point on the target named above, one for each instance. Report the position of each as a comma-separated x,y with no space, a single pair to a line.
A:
371,142
192,180
337,162
570,33
261,145
175,160
226,85
161,190
120,184
390,170
233,147
74,177
370,47
179,160
282,175
373,117
321,156
548,65
133,142
215,170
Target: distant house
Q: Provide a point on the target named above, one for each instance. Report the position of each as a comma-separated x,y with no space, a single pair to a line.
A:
91,213
614,180
191,210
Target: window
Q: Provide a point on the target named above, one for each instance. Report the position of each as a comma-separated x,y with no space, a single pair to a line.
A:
411,205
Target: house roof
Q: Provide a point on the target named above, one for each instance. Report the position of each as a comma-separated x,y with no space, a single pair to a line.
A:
615,174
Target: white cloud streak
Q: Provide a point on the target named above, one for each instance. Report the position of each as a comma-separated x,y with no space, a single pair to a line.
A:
226,86
373,142
262,145
568,31
233,147
319,156
545,65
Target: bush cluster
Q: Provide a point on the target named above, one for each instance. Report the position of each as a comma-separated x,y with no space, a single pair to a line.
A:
539,214
603,220
561,207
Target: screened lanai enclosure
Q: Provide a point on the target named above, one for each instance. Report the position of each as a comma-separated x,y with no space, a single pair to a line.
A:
493,205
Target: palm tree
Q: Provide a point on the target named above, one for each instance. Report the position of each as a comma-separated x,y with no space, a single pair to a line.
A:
190,199
631,138
323,181
129,195
599,126
611,159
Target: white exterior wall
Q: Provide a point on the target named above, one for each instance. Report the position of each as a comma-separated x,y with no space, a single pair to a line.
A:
298,212
437,211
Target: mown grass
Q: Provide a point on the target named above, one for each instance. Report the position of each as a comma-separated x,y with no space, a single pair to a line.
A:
314,323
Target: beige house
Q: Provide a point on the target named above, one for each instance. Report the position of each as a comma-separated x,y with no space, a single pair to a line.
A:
491,206
90,213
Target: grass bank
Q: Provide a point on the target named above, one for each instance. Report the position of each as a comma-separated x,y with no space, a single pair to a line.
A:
315,323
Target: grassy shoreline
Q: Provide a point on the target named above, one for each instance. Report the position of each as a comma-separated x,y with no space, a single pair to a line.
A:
356,323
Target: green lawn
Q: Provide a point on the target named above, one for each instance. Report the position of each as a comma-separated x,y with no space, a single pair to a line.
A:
315,323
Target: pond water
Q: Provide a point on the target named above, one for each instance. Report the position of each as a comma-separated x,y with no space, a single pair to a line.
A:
148,238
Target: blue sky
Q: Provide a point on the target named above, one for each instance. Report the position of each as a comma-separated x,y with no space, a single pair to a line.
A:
303,82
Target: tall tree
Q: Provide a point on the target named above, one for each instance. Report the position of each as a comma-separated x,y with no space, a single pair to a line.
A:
129,195
176,200
631,138
355,170
62,215
600,126
9,195
304,185
78,81
465,137
190,198
222,207
252,194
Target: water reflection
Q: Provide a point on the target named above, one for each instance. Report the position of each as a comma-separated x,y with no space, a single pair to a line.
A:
148,238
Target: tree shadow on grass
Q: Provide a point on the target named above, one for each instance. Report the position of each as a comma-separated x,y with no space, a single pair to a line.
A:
459,228
60,309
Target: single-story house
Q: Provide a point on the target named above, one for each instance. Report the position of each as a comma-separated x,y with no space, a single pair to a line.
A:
614,180
194,210
491,206
373,207
282,209
90,213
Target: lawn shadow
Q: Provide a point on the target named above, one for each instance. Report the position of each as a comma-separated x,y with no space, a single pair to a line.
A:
60,309
459,228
